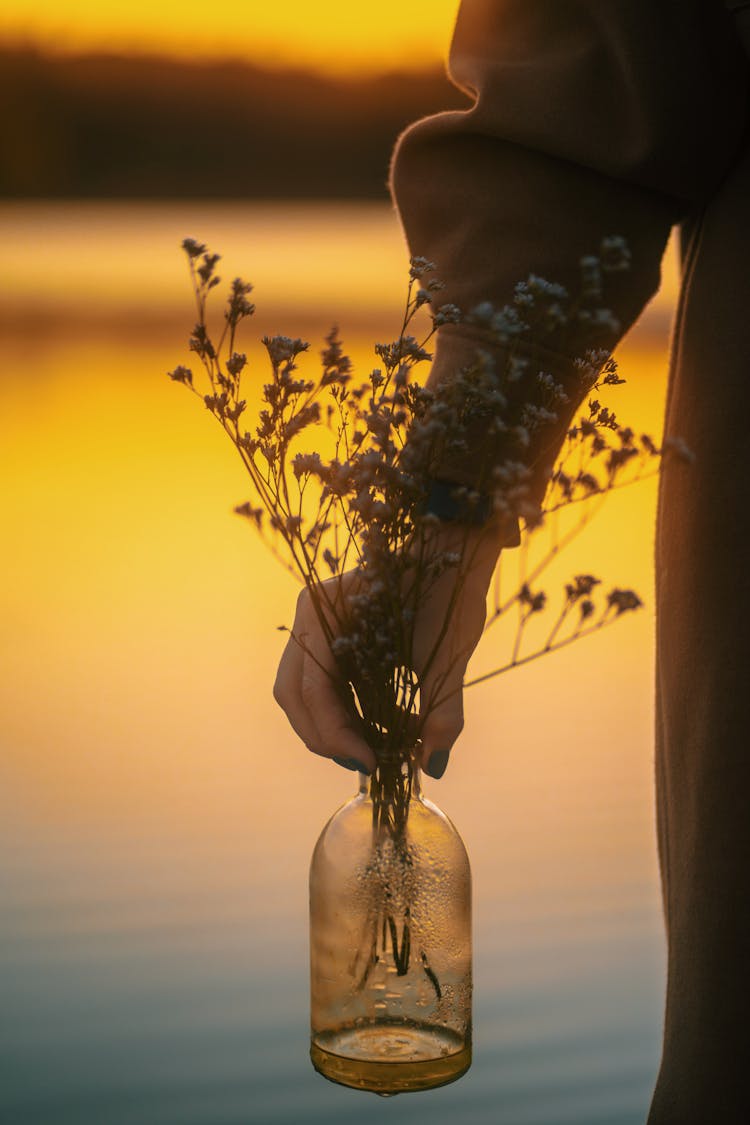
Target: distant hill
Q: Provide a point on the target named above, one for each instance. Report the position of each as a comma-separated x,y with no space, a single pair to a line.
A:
149,127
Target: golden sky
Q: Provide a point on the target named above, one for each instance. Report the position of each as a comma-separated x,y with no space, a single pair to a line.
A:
329,35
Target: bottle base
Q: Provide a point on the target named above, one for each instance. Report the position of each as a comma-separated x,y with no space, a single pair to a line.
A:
410,1057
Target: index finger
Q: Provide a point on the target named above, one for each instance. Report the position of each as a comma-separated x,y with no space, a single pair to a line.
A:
320,675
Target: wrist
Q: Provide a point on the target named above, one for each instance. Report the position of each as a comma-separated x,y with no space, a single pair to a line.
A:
478,547
468,511
452,502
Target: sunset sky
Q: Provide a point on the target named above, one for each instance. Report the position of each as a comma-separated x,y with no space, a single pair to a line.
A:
329,35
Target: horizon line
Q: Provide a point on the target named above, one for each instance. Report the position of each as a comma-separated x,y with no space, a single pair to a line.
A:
358,71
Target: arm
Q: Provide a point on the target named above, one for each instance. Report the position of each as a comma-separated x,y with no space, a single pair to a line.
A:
591,118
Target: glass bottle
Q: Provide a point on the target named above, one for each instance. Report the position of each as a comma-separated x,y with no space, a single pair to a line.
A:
390,945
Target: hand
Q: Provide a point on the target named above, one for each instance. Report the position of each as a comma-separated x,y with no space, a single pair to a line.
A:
306,681
306,688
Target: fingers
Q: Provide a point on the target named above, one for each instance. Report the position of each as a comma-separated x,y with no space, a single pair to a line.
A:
287,693
443,712
321,699
441,691
306,690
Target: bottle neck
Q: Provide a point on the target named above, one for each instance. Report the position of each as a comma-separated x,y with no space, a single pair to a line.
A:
364,781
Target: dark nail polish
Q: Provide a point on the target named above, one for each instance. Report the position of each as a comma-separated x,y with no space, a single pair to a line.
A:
438,763
351,764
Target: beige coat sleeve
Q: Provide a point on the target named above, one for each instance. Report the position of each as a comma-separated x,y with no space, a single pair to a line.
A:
590,118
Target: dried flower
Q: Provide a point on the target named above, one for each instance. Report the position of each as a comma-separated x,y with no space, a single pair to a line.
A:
364,504
181,374
355,525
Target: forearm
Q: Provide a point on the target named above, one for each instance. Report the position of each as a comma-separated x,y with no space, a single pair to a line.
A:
591,119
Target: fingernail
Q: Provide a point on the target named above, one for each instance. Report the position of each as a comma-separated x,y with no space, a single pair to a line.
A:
438,763
351,764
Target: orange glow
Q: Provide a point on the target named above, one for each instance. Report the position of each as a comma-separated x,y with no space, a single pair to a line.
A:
139,616
157,811
331,35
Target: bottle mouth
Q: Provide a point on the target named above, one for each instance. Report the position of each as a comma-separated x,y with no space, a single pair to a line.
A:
365,779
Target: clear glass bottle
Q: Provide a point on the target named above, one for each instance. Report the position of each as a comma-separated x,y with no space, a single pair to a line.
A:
390,945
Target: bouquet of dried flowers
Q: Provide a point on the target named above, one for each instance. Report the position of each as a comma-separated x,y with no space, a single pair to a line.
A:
343,473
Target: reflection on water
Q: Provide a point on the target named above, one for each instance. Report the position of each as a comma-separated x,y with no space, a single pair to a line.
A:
157,816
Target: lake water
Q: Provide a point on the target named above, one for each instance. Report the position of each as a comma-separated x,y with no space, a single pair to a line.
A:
157,814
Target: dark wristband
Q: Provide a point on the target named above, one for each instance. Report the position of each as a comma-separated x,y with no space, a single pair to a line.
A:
455,503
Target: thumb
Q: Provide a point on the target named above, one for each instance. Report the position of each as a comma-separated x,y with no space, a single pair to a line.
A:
442,719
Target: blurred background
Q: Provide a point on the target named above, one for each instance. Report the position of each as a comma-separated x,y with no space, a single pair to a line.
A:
157,815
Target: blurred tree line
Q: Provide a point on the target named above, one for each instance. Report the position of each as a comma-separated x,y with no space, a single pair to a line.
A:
149,127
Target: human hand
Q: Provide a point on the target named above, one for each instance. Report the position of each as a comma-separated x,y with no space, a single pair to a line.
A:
308,687
308,684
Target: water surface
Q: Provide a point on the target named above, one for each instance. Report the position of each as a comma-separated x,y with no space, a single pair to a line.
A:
158,816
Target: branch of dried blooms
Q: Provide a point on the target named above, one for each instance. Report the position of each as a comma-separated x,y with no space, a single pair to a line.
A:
341,473
341,470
